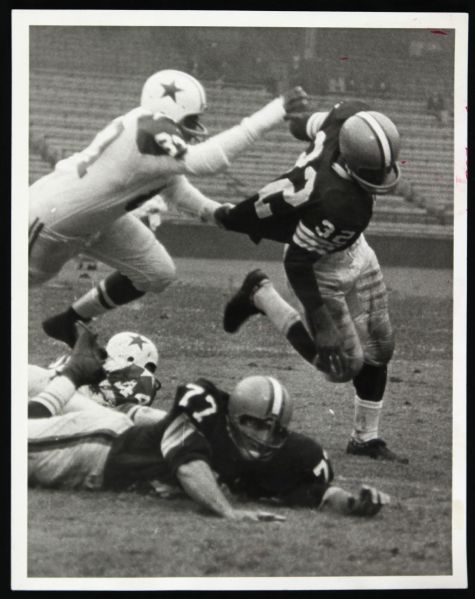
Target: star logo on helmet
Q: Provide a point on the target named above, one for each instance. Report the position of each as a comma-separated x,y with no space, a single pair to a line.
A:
137,340
170,89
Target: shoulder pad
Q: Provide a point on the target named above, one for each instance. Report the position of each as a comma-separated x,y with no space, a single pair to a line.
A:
344,109
198,400
159,135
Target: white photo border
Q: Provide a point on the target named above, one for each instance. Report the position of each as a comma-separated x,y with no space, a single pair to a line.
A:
21,21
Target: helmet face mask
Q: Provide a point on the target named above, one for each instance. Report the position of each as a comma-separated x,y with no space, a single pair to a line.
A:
192,127
178,96
369,145
259,411
257,439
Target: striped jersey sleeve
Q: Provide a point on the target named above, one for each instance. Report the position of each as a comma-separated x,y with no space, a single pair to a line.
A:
182,442
314,123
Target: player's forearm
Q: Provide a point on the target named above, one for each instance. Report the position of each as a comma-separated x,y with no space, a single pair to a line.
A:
199,483
142,414
217,152
182,194
51,401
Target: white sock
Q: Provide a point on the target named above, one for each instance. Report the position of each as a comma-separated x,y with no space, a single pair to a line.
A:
280,313
93,302
366,420
56,394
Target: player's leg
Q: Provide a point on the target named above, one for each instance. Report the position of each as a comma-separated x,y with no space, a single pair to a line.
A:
70,450
257,294
369,305
48,251
142,264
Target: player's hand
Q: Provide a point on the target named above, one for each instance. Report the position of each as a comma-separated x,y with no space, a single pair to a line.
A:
256,516
296,103
369,501
330,358
219,215
85,366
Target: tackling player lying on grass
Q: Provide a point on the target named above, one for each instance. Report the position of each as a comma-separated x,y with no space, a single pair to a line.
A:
319,209
130,386
208,442
83,205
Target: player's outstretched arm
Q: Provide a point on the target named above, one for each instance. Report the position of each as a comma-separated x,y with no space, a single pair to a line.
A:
368,502
217,152
199,483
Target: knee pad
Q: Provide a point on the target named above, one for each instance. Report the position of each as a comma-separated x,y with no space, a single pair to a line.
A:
163,279
156,281
379,347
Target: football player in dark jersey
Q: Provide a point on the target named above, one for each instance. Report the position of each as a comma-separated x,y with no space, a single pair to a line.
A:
319,209
208,439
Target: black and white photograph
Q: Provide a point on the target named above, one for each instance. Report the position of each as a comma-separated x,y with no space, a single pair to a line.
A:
239,350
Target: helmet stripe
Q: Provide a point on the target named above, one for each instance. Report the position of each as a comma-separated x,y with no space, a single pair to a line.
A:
380,136
277,396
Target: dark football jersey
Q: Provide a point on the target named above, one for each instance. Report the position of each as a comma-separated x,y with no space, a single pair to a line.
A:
316,205
297,474
196,429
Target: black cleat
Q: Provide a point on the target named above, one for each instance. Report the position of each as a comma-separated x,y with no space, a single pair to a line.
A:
240,306
375,449
62,327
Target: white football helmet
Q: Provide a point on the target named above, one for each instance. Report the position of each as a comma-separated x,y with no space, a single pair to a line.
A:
179,96
129,355
126,348
369,144
259,412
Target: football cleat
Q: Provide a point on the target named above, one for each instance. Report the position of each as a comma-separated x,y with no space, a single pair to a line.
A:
240,307
85,365
62,327
375,449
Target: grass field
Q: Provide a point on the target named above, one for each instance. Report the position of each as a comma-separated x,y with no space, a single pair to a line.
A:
83,534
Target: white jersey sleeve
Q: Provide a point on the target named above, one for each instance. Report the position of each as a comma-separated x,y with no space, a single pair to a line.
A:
187,198
217,152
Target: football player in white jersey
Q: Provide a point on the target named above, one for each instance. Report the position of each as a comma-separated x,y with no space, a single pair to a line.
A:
130,385
82,206
208,439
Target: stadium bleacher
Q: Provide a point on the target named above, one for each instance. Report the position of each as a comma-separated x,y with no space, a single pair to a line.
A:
71,101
